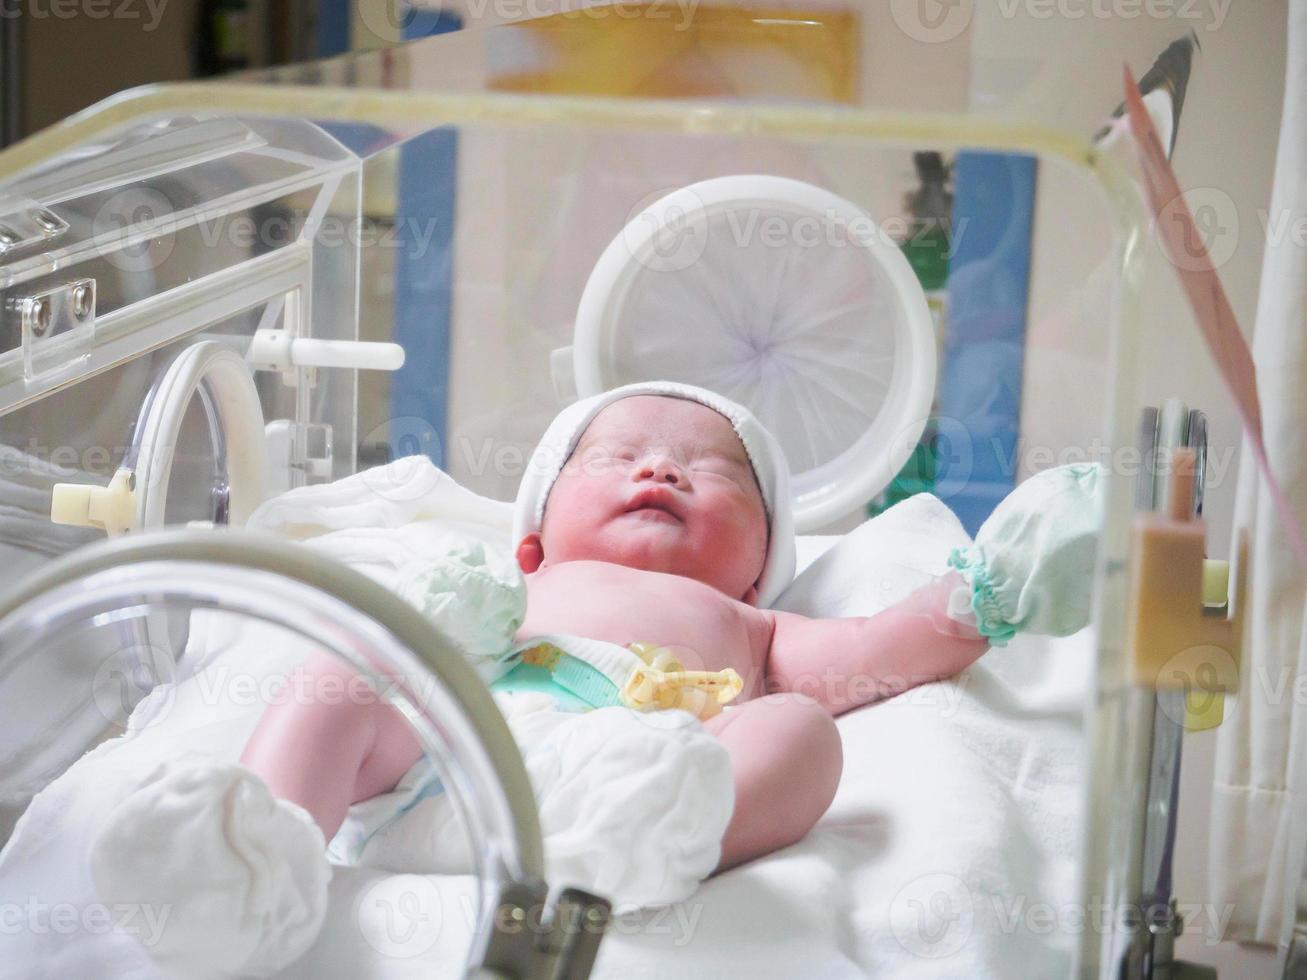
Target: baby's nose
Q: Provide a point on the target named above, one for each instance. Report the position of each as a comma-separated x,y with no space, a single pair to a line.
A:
661,469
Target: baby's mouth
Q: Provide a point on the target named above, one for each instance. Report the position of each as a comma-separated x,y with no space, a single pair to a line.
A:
653,500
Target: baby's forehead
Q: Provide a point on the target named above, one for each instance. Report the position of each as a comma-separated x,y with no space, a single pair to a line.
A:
664,421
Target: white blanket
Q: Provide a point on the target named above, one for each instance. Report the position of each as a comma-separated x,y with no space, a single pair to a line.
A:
949,851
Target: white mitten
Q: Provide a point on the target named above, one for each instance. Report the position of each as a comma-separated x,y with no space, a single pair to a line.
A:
240,876
474,594
1031,567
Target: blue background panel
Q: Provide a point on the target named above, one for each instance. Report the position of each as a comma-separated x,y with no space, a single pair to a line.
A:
979,400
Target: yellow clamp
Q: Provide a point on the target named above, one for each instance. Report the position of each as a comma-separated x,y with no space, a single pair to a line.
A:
663,683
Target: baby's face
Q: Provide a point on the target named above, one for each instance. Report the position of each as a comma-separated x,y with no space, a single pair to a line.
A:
662,484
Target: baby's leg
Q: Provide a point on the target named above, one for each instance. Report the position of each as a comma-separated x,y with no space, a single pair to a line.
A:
330,743
787,758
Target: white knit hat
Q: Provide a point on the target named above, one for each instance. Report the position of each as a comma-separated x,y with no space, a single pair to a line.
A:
764,452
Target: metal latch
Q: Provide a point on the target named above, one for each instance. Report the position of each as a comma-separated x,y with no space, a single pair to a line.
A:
530,941
1181,635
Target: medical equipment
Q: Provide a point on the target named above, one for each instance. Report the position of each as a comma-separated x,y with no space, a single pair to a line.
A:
851,425
215,293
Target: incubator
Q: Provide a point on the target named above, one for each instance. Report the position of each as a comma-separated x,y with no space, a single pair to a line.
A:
216,293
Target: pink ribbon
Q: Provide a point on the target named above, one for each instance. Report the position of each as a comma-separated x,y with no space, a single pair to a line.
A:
1198,276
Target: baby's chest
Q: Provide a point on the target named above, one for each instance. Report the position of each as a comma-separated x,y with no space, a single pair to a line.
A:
713,631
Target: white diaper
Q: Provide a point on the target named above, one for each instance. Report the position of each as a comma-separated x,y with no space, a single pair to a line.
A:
632,806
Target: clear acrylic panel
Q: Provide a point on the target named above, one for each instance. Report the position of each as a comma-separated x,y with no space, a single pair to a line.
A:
185,641
451,196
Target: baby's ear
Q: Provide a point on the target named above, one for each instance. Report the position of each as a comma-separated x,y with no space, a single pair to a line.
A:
530,553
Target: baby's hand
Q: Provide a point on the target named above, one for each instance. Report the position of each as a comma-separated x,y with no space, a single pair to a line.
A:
946,604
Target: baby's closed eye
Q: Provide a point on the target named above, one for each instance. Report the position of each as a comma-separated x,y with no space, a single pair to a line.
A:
724,466
592,459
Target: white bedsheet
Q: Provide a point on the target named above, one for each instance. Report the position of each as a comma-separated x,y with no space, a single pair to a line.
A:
950,849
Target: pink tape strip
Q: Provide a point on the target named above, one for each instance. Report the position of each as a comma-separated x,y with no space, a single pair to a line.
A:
1179,233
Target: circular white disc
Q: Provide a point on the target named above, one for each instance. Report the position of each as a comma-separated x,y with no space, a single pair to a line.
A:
781,296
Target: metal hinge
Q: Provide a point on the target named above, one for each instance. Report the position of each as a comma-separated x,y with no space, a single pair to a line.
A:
532,941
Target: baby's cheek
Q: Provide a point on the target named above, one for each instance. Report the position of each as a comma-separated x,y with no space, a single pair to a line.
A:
738,529
749,516
573,534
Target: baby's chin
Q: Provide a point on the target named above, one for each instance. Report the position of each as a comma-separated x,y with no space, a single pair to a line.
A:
647,543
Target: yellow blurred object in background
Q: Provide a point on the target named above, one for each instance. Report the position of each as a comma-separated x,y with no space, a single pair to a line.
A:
664,50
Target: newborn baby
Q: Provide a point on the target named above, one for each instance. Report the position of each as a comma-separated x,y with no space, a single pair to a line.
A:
658,530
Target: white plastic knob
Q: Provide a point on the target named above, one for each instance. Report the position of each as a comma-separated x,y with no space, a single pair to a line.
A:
112,509
277,350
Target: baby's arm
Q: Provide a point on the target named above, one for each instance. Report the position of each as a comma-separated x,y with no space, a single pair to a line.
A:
844,663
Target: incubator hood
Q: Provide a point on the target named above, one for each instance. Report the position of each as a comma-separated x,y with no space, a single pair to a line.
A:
211,293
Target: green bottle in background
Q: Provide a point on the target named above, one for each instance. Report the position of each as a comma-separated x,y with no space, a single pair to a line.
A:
927,246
